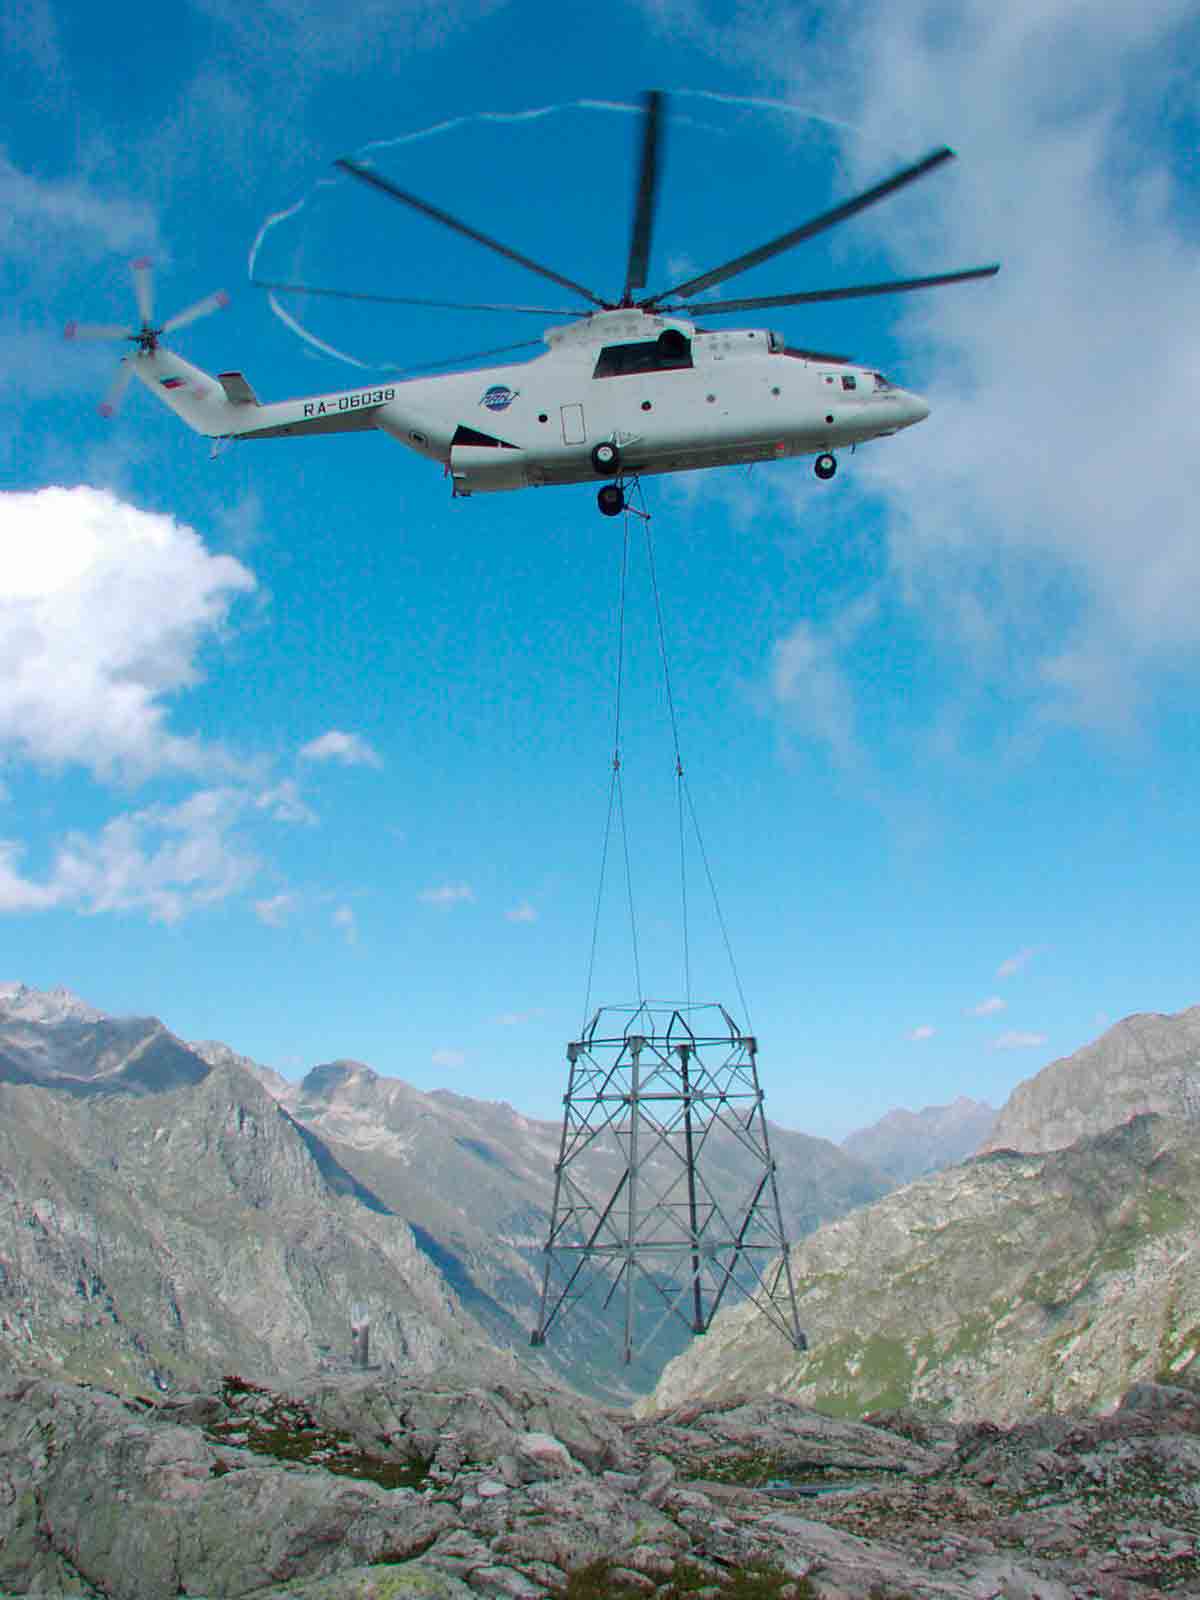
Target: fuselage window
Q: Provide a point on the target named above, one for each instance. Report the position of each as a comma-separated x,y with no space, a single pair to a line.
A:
671,351
848,382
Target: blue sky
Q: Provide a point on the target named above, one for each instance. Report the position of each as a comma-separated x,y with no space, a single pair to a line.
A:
301,755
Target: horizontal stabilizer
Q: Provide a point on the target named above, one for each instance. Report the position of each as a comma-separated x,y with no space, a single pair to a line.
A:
237,389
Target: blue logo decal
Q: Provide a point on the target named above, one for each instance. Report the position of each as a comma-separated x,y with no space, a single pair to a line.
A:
498,397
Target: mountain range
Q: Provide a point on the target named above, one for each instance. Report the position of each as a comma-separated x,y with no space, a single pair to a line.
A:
180,1210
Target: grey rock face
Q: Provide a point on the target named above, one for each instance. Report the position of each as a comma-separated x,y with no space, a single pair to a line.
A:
100,1496
908,1144
152,1240
1148,1063
1007,1285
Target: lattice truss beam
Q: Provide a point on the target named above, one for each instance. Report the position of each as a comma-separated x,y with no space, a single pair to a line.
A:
663,1113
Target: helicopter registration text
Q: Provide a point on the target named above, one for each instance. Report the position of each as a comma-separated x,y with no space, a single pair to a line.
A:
348,402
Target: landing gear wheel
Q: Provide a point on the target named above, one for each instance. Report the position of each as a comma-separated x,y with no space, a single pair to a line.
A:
611,499
606,458
825,466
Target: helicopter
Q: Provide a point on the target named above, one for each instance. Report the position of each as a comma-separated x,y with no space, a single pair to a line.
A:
626,388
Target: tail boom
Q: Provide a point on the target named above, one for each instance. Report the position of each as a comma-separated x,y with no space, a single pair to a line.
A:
226,407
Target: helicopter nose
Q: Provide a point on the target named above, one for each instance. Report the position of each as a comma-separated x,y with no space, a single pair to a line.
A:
915,409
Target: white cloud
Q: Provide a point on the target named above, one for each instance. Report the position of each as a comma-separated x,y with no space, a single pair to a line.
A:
165,861
103,611
447,1058
807,679
1017,963
447,894
68,210
516,1019
1042,487
1018,1040
924,1031
346,922
522,913
988,1007
284,803
349,749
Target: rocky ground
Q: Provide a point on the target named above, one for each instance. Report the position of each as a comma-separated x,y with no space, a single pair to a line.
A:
370,1487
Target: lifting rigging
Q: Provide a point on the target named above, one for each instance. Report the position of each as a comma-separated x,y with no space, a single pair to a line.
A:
658,1094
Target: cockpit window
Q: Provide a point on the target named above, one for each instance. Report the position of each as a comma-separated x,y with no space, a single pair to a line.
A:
881,382
671,351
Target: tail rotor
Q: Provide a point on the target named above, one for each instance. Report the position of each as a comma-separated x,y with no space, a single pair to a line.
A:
145,337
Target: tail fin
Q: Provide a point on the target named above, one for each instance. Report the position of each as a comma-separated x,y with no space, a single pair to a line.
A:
199,399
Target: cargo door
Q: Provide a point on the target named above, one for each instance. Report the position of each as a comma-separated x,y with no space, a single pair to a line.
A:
573,430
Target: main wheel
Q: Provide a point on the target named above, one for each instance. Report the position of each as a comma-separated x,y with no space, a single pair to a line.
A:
611,500
606,458
825,466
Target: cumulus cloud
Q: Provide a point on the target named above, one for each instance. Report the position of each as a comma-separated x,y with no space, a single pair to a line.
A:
1017,963
924,1031
1025,489
988,1007
348,749
165,861
447,1058
523,912
1016,1039
447,894
104,609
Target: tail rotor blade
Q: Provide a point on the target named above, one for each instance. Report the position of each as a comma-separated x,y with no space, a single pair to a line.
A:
97,330
645,196
116,389
202,308
143,287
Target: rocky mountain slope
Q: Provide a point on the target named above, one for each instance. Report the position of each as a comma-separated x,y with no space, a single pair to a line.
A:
907,1144
475,1181
153,1236
460,1190
369,1489
1145,1063
1010,1284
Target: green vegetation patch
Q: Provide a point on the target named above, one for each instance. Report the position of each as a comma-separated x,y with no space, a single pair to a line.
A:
756,1581
288,1431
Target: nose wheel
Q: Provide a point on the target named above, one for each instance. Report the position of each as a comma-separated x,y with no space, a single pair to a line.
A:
825,466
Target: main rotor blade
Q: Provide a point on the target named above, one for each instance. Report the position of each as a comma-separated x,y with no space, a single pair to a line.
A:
97,330
116,389
645,196
857,291
385,186
454,361
405,300
807,230
143,287
202,308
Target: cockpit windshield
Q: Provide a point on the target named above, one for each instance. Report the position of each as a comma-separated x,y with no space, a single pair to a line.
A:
881,383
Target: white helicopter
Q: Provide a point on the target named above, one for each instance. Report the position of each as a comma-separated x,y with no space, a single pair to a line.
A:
631,387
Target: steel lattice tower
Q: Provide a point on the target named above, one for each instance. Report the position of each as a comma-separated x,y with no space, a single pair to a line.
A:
660,1098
